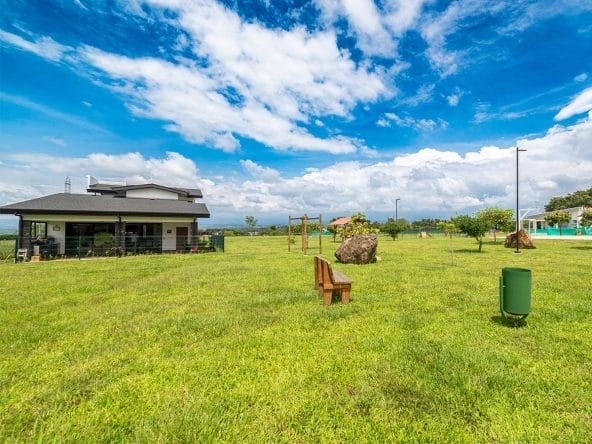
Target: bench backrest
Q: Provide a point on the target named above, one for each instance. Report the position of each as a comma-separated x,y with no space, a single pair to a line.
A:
323,272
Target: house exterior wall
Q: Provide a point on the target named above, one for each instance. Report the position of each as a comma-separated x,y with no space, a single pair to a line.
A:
57,230
152,193
169,240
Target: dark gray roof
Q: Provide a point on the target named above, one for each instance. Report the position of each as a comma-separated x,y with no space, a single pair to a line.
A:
103,187
63,203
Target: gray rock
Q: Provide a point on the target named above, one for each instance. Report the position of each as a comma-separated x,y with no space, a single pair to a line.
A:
360,249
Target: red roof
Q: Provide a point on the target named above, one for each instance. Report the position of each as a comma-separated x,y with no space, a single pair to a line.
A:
341,221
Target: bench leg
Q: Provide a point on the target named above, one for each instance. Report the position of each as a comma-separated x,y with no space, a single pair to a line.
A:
345,292
327,296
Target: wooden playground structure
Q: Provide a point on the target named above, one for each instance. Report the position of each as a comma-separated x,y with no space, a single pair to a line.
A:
304,234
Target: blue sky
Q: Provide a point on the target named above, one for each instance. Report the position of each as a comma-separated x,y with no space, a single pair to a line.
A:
278,108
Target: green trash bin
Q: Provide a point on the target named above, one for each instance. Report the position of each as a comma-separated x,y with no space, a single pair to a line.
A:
514,291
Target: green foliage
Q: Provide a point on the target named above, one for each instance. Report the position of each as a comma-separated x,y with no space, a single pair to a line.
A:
238,347
558,218
358,225
12,236
425,223
310,227
498,219
586,220
475,227
447,227
576,199
251,221
394,228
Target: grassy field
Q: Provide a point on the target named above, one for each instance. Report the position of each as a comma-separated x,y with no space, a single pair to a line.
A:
6,249
237,346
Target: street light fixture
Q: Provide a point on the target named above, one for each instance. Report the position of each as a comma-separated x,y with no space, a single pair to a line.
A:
518,150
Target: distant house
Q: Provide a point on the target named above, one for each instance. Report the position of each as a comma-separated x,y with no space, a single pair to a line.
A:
145,217
535,223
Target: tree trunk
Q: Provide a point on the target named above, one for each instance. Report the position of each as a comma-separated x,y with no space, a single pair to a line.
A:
494,236
480,244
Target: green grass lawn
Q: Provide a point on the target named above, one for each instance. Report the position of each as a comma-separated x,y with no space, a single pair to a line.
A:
6,249
237,346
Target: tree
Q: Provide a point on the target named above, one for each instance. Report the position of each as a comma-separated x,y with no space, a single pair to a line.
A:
358,225
498,219
447,227
576,199
393,228
558,218
251,221
472,226
586,219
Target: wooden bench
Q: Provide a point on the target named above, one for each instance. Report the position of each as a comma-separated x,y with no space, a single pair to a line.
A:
327,281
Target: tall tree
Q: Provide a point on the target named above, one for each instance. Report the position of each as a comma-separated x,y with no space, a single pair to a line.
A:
576,199
498,219
558,218
472,226
251,221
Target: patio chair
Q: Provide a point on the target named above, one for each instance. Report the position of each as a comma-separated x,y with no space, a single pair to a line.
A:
22,254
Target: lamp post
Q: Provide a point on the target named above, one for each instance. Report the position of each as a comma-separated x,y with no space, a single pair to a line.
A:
397,210
518,150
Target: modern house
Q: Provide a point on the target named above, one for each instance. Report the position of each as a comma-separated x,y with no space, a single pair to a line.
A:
536,223
111,217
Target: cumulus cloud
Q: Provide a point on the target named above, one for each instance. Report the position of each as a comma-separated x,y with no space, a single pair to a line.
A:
582,103
430,181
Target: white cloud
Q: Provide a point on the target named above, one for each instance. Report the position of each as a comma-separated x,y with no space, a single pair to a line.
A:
403,15
455,97
581,77
582,103
389,119
44,47
376,26
263,84
430,181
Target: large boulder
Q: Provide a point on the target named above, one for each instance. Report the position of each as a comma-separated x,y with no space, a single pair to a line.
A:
523,238
360,249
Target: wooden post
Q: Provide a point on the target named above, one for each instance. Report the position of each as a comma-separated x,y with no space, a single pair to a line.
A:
320,234
304,234
289,232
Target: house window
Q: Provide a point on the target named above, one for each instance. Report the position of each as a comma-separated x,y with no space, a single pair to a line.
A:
38,230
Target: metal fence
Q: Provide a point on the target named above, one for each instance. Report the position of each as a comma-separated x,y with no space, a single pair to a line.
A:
105,246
